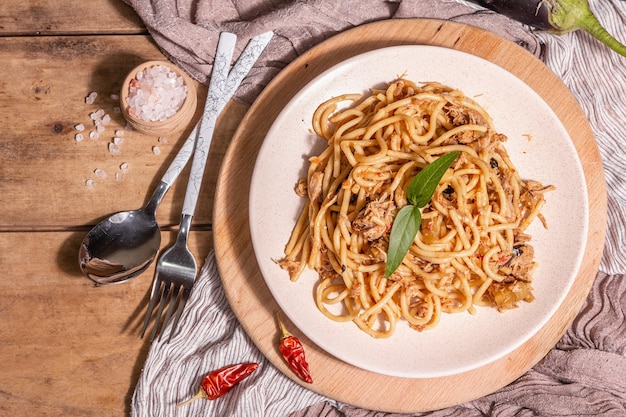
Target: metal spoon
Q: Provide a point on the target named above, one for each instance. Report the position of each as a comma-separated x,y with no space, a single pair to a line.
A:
123,245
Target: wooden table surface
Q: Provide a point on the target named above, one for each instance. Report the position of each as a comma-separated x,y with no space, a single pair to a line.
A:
69,348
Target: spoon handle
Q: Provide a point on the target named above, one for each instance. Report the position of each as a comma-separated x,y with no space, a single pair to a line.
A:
181,159
222,87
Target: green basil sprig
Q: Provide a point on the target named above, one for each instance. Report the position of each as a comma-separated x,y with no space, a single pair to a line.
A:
409,218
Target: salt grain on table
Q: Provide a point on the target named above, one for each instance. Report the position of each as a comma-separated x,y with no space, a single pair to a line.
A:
80,127
156,93
124,166
90,183
118,141
156,150
94,135
114,148
119,132
91,98
79,137
99,172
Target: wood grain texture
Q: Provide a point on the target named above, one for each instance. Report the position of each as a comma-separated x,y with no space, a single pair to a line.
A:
247,292
44,86
75,17
70,348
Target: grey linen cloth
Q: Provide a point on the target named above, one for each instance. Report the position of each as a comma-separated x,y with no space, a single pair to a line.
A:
585,374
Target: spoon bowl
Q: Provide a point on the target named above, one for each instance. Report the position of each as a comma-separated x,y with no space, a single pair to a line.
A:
124,244
120,247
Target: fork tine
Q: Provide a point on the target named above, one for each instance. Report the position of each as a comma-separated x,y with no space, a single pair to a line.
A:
173,302
155,298
165,299
179,312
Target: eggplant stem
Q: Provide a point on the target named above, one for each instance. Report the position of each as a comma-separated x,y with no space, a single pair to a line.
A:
589,23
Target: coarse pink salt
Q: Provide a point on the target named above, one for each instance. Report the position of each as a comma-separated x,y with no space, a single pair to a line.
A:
156,93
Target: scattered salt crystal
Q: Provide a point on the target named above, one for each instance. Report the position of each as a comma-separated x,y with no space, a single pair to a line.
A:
79,137
106,118
124,166
91,98
94,135
118,141
156,93
119,132
116,109
128,126
100,128
162,140
99,172
115,97
114,148
80,127
90,183
119,176
156,150
93,116
100,112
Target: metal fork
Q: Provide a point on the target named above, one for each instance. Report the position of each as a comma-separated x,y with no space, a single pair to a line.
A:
176,269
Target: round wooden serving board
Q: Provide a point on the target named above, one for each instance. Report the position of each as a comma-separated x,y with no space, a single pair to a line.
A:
247,292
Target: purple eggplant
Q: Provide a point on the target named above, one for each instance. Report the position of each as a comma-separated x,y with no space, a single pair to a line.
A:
559,16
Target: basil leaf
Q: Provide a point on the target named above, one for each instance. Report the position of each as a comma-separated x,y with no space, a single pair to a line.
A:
409,219
403,232
422,187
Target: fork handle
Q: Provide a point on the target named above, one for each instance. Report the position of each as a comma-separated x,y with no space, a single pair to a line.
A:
215,102
222,87
184,228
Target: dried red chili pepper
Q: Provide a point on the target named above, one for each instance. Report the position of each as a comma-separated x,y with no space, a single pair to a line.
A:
292,350
220,381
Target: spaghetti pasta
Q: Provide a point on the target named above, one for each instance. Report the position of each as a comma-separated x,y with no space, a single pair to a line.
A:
471,250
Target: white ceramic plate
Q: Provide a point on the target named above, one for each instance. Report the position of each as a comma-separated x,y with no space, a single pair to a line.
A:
539,147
